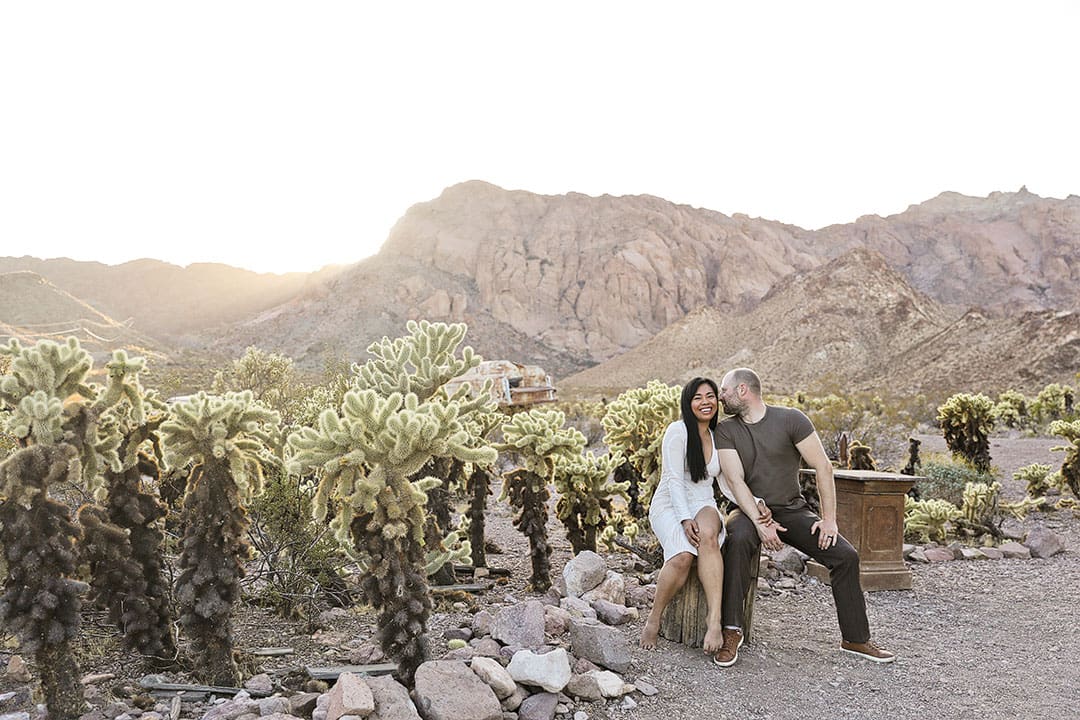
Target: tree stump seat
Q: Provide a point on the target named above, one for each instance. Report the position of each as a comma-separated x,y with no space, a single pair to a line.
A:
684,619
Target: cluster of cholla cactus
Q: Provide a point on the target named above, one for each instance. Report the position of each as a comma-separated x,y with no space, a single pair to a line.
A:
124,537
227,439
1035,478
586,496
634,426
1070,466
393,421
967,421
540,440
49,401
928,519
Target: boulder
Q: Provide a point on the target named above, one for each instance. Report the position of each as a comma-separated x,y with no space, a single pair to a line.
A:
550,671
260,684
938,555
521,625
481,623
612,614
495,675
1013,550
449,690
789,560
578,608
540,706
992,553
275,705
556,620
612,589
584,687
392,701
1043,543
601,644
583,572
350,695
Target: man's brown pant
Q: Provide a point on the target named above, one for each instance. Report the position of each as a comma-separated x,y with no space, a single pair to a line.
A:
743,546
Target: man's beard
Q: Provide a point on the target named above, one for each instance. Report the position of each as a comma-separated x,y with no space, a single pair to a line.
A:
732,408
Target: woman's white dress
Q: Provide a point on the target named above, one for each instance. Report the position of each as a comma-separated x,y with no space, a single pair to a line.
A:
679,498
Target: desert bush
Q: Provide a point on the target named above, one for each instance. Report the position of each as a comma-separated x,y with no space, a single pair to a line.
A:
272,380
946,477
1034,477
967,421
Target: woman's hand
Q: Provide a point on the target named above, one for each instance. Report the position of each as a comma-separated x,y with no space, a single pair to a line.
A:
690,527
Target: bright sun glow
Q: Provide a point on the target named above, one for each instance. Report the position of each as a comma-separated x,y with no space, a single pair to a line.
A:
286,136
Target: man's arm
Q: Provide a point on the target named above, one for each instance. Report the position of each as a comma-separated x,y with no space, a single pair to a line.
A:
814,454
733,471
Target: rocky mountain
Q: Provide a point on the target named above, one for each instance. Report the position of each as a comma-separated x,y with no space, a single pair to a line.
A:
32,309
164,300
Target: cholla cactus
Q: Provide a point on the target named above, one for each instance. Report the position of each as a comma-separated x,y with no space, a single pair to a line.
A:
1021,508
1034,477
1070,467
859,457
1054,402
477,481
1011,409
966,421
928,519
634,426
540,441
227,438
41,602
124,539
366,453
586,493
980,502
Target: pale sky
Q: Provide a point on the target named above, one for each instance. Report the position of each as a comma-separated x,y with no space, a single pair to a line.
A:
286,136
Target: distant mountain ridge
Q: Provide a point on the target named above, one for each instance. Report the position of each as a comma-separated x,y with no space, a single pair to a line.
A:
571,281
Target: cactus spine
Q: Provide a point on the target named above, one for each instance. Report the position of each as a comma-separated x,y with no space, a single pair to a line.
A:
227,438
392,423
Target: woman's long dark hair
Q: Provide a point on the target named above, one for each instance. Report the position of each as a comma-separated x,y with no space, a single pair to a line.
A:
695,455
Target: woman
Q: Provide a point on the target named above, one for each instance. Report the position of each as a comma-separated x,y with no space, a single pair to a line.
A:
683,512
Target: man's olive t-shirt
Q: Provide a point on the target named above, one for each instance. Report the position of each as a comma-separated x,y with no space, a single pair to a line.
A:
767,450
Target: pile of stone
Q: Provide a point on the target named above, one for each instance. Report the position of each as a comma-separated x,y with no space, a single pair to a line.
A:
1039,543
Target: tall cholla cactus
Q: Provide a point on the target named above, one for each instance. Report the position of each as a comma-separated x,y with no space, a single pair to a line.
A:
40,604
477,476
634,426
967,421
124,539
392,423
586,492
227,438
540,440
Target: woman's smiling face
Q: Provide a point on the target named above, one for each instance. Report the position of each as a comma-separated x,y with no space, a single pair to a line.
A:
704,403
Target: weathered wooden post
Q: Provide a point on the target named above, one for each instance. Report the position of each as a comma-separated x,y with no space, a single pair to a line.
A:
870,514
684,619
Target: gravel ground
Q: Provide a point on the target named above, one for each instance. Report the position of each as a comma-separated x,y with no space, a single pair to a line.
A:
981,640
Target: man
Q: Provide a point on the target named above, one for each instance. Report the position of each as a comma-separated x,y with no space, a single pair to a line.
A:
759,451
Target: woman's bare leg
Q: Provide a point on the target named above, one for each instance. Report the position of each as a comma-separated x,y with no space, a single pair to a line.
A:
671,578
711,574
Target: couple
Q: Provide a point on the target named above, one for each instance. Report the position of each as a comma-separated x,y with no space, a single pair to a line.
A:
754,456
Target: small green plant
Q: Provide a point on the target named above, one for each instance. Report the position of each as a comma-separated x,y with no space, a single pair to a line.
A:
928,520
1034,477
967,421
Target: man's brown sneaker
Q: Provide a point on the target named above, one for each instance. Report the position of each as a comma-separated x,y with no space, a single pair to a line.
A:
729,651
867,650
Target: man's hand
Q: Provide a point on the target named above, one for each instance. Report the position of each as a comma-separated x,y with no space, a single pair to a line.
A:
690,527
764,513
768,534
828,533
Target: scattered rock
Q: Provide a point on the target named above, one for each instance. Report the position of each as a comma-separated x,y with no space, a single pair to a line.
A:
581,715
495,675
242,704
612,589
366,654
578,608
392,701
556,620
584,687
640,596
513,700
612,614
449,690
1013,550
487,647
460,633
17,670
267,706
918,555
645,687
789,560
583,573
628,703
1044,543
908,549
601,644
973,554
260,684
938,555
992,553
550,671
350,696
521,625
581,666
481,623
786,583
302,705
94,679
540,706
610,684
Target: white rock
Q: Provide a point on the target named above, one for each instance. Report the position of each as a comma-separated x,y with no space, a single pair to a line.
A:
550,671
495,675
583,573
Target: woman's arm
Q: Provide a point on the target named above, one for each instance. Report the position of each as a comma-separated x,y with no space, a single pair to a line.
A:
673,469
